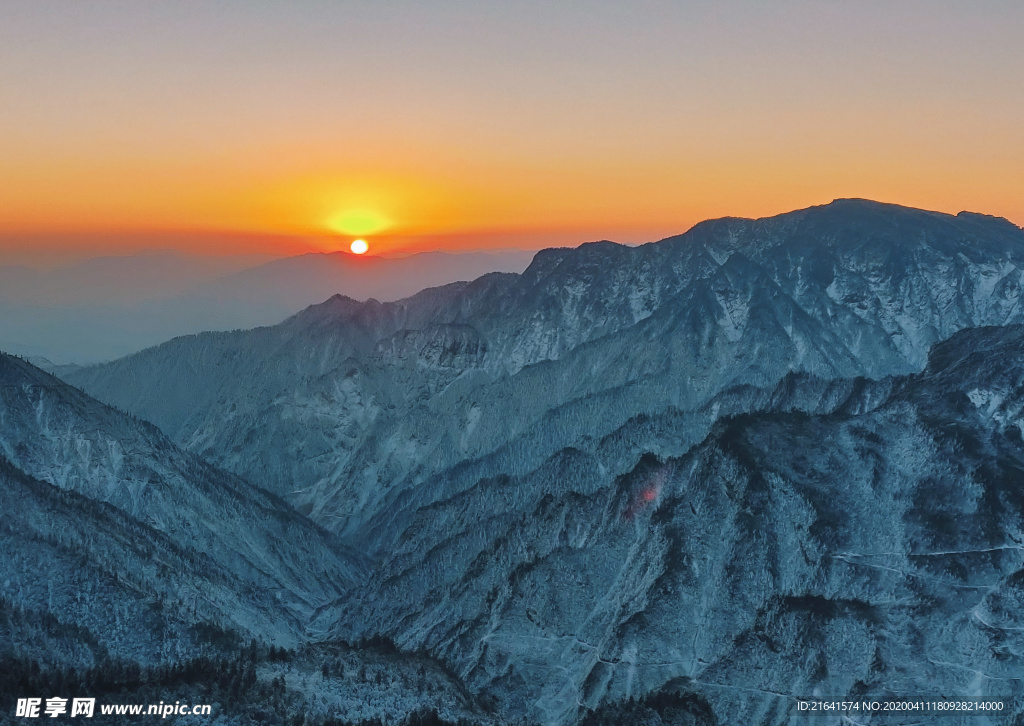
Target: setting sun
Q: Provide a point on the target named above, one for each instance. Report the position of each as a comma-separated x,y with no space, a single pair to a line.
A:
359,247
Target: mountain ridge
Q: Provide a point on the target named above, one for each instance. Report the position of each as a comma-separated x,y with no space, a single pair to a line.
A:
851,294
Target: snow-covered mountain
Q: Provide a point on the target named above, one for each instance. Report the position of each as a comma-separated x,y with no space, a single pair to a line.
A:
106,521
764,460
346,402
847,539
84,582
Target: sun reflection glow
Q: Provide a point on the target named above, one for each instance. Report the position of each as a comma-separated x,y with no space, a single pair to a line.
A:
359,221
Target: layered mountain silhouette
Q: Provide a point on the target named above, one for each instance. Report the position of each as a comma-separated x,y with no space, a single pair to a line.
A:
762,461
110,307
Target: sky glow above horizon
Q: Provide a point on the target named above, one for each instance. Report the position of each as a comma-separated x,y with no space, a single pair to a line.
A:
283,127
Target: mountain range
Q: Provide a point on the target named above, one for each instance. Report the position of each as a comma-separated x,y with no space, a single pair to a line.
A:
348,403
688,482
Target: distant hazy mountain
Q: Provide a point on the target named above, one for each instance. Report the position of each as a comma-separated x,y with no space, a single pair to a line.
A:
764,460
109,307
122,279
287,285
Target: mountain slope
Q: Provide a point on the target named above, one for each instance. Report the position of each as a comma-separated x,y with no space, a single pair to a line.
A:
84,582
54,433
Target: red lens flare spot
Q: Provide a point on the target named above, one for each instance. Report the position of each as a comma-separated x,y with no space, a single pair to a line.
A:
647,494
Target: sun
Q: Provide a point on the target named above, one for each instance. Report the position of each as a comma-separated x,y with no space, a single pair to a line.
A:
359,247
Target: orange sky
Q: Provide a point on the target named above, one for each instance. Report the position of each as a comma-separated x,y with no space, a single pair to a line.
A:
252,127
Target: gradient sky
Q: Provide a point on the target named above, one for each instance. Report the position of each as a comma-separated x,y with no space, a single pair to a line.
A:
255,126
